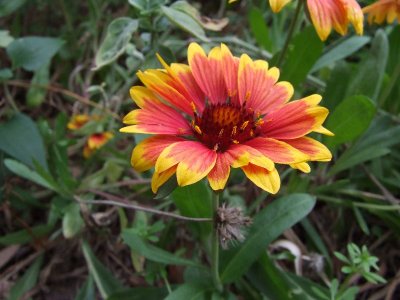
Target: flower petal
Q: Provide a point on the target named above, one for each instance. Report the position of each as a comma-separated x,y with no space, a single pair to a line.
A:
277,151
267,180
258,86
304,167
185,83
314,149
354,14
145,154
277,5
156,118
295,119
194,161
243,154
231,67
208,72
159,179
219,175
165,86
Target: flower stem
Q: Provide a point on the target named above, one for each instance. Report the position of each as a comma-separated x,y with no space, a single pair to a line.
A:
215,246
290,33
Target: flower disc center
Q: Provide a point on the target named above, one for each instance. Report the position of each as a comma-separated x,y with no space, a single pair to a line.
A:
222,125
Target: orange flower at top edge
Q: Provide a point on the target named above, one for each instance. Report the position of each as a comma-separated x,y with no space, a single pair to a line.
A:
95,142
218,112
328,14
382,10
77,121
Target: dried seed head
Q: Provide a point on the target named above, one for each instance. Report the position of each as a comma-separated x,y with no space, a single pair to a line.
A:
230,224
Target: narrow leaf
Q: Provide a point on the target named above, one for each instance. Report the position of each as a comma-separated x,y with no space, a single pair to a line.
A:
20,138
151,252
350,119
281,214
105,281
27,281
340,51
185,22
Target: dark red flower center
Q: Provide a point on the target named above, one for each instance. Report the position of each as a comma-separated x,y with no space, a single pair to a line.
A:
222,125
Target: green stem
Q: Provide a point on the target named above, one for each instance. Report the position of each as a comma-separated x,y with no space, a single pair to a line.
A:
290,33
215,246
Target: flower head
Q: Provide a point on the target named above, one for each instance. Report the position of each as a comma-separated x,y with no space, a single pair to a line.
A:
328,14
382,10
95,142
77,121
218,112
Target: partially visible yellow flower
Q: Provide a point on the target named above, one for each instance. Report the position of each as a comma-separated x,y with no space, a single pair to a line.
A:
95,142
328,14
277,5
382,10
77,121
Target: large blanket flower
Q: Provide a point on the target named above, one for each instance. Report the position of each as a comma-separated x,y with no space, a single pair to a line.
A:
328,14
382,10
218,112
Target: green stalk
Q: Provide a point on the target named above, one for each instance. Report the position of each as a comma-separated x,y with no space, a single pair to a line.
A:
215,246
290,33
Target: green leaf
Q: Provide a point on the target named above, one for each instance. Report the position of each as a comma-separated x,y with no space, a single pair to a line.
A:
8,7
300,59
350,119
72,221
5,37
31,53
25,236
152,252
140,293
27,281
87,291
269,223
20,138
184,21
36,95
342,50
259,28
341,75
188,292
276,284
118,35
375,142
5,74
195,201
146,6
105,281
24,172
267,278
368,79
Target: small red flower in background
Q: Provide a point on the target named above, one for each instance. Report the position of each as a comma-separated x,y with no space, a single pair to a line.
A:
95,142
218,112
382,10
77,121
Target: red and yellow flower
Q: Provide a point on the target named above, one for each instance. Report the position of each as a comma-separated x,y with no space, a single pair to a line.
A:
77,121
95,142
218,112
328,14
382,10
